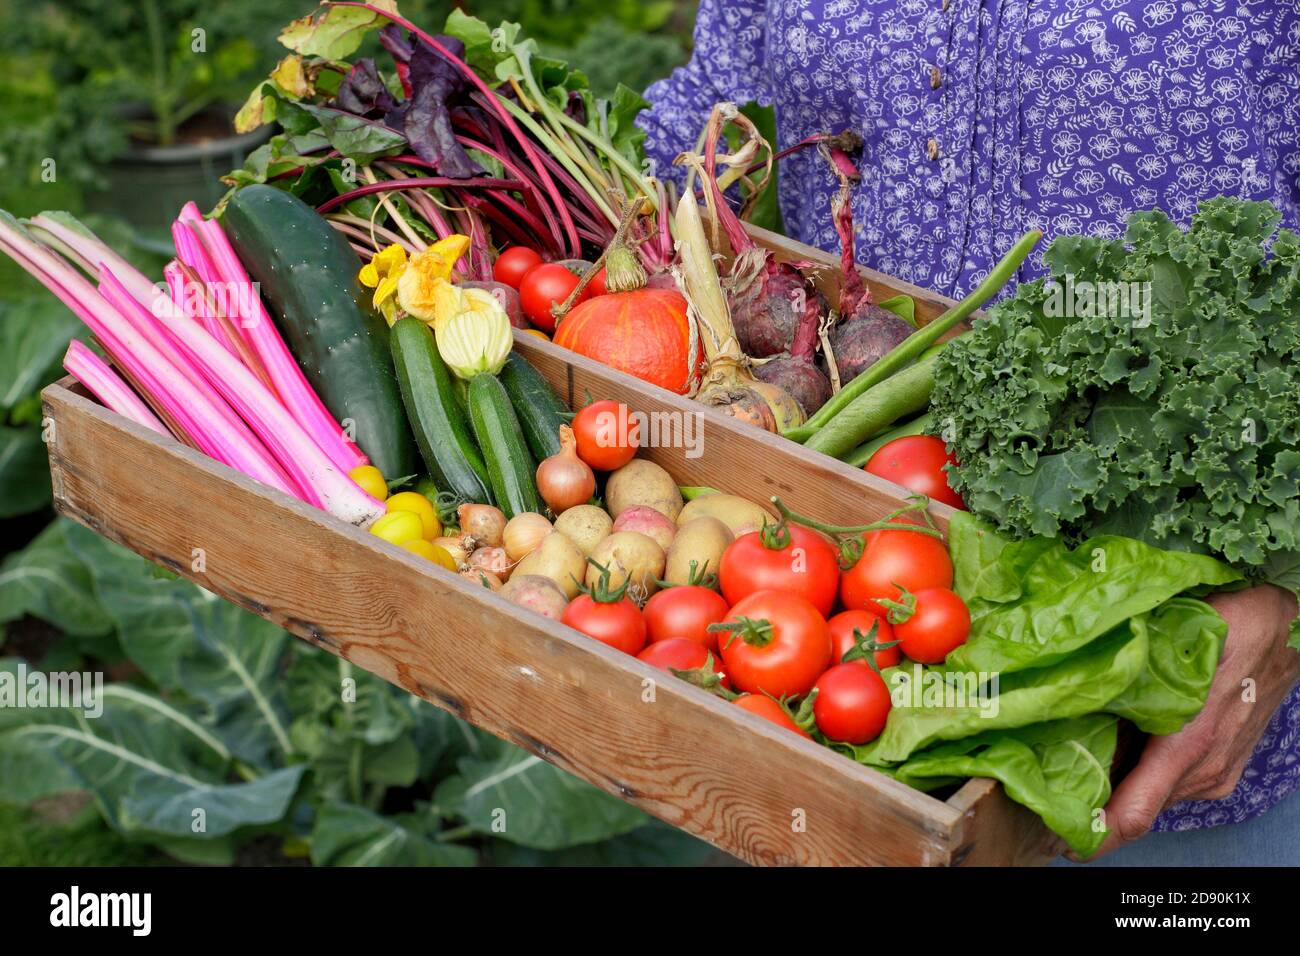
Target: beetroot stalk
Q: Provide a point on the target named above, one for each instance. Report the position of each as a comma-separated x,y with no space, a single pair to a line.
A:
769,299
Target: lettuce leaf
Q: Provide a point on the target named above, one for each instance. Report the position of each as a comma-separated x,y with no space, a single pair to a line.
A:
1058,769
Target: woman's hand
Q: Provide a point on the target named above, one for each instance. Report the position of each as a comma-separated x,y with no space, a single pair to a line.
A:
1205,759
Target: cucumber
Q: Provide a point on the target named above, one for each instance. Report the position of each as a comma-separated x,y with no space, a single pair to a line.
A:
441,432
308,274
511,468
538,408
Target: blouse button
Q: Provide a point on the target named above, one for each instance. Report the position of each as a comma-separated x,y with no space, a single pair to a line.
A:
932,149
936,78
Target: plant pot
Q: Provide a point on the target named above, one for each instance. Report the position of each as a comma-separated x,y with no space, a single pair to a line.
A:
148,185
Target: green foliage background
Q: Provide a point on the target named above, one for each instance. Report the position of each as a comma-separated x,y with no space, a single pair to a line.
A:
209,705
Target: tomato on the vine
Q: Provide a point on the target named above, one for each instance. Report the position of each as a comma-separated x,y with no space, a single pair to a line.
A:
789,558
769,709
544,286
916,462
843,625
852,704
930,624
775,643
685,611
597,284
616,623
607,435
515,263
891,560
680,654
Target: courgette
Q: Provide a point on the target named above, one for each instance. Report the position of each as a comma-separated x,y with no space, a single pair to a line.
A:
308,275
511,469
538,408
441,432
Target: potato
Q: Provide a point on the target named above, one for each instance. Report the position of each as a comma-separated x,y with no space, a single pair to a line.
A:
739,514
540,595
586,526
701,540
629,554
642,482
557,558
650,523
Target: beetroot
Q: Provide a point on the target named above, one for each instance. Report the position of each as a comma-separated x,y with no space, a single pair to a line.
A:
769,300
768,309
864,338
796,371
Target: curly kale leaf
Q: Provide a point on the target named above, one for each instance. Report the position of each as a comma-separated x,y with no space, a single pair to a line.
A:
1147,388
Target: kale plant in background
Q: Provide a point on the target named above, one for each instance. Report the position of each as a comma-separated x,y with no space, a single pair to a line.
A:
1175,424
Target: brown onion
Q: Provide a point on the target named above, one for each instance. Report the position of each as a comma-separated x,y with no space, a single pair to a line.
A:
565,480
458,547
523,533
483,523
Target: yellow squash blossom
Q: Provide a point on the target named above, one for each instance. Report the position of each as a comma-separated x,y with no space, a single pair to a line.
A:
472,330
382,274
426,271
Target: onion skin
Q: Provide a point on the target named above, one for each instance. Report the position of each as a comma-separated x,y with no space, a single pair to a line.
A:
565,480
484,523
523,533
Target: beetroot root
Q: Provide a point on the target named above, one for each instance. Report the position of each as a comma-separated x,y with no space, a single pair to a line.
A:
864,338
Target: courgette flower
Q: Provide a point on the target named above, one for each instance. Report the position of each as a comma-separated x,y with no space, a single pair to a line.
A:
472,330
381,274
426,271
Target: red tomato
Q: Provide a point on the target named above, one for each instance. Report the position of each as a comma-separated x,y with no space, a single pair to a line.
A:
852,704
515,263
616,623
940,623
843,625
916,462
679,654
787,654
890,560
545,286
807,566
685,611
597,285
769,709
607,435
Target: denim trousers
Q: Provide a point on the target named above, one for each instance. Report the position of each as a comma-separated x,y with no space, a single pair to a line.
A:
1272,839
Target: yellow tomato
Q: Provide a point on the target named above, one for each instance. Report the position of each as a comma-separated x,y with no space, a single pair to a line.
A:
371,481
398,527
416,503
539,333
437,555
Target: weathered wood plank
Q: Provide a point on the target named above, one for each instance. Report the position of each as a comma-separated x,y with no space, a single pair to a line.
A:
686,757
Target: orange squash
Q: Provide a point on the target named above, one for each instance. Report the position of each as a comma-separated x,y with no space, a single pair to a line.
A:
645,332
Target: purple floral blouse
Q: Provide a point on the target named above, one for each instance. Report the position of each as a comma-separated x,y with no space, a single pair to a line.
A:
984,119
